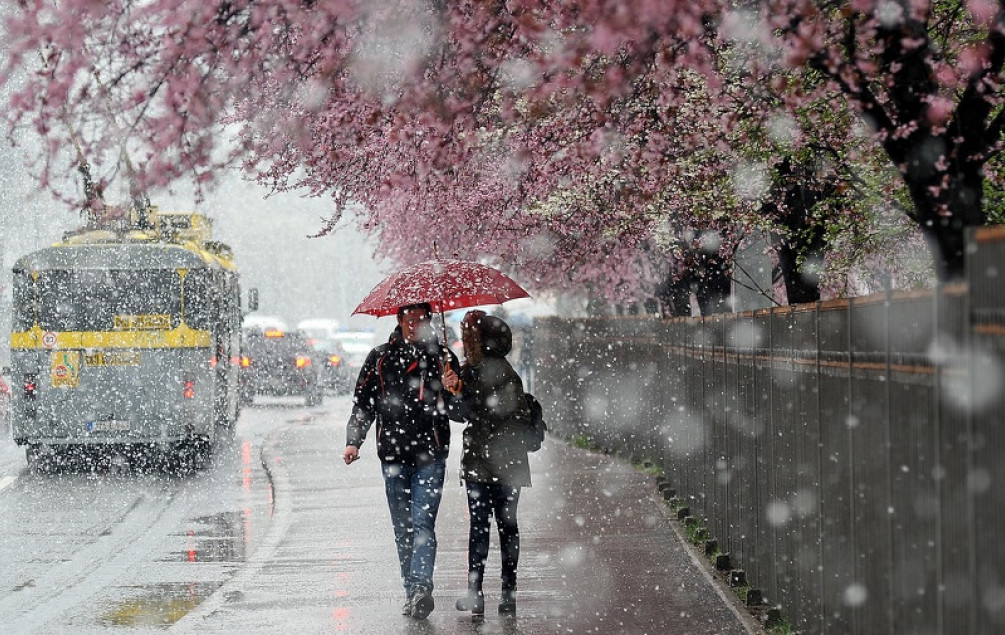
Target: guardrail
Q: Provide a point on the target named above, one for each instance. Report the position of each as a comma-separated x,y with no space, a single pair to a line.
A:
849,455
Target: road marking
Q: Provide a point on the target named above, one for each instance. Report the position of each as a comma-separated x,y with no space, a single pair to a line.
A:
6,480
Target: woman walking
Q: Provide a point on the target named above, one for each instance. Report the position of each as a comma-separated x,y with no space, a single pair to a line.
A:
494,464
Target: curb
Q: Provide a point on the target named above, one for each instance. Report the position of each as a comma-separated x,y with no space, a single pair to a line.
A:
234,587
730,599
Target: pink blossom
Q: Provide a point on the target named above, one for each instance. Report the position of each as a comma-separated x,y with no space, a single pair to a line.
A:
983,11
940,109
547,135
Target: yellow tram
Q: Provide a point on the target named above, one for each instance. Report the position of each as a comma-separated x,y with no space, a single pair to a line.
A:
126,338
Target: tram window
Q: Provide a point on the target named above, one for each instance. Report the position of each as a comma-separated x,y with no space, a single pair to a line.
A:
55,301
95,294
24,301
199,303
89,299
148,291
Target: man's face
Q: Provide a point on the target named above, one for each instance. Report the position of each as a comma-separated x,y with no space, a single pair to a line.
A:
414,324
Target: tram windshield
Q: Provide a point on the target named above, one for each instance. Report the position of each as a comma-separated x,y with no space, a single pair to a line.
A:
102,299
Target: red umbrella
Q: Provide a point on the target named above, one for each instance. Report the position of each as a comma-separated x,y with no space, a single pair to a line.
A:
445,284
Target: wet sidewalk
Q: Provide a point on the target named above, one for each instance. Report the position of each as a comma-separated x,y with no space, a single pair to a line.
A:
598,553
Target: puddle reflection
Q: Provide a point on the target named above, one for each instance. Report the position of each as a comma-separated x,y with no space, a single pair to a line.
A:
158,606
218,538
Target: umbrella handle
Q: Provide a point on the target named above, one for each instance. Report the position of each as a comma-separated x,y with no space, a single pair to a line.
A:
446,361
452,391
443,326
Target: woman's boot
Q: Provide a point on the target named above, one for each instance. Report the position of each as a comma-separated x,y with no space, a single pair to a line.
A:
473,601
507,602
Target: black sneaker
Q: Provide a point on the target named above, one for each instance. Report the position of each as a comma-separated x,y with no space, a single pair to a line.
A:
473,601
507,602
407,609
422,603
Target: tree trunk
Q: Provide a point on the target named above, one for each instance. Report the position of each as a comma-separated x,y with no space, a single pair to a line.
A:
805,238
675,296
713,294
944,219
713,285
798,288
942,169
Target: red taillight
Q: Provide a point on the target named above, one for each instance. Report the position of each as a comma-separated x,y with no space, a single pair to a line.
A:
335,360
303,362
30,386
189,391
30,390
245,361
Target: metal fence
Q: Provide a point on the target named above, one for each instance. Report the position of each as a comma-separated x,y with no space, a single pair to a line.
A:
849,455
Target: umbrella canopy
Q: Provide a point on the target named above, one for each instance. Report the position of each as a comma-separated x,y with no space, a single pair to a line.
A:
445,284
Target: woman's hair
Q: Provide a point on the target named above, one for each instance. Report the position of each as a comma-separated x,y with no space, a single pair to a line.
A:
471,336
485,335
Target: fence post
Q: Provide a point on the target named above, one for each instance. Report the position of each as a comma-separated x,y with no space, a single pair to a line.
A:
821,615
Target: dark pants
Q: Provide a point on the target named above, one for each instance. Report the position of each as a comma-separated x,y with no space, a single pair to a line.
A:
486,500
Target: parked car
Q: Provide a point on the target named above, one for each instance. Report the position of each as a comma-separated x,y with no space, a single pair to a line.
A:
277,362
332,365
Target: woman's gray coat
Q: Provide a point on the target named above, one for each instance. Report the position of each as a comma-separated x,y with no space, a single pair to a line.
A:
495,409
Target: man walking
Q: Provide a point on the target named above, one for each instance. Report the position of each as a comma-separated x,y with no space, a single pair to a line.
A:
400,388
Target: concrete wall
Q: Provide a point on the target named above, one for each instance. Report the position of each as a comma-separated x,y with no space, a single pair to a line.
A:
849,455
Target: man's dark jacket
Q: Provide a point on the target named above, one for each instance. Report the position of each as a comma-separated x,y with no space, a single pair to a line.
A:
399,389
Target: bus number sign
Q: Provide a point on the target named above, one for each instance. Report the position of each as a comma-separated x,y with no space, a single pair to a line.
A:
147,322
112,358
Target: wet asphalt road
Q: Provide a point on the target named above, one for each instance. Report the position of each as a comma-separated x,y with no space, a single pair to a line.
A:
279,536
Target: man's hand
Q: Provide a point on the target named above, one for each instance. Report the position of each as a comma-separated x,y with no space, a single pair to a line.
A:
350,455
451,381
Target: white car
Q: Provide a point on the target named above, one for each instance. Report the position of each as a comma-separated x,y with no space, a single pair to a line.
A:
319,328
256,322
356,345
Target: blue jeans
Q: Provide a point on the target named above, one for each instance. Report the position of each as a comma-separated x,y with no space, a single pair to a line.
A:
486,500
413,497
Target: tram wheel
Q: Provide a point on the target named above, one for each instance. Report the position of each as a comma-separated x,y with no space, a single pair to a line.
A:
43,458
33,454
192,454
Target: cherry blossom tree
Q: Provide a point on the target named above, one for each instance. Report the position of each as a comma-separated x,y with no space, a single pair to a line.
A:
926,76
560,138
